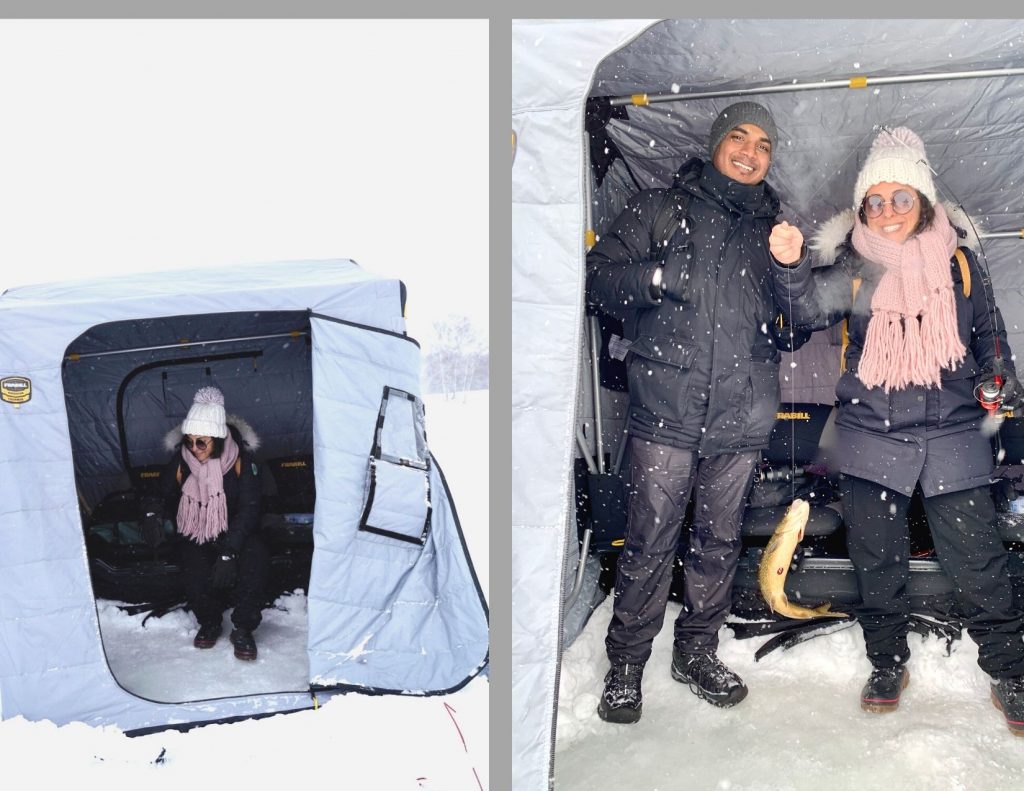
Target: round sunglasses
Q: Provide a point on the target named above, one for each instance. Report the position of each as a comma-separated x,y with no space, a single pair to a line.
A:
200,443
902,202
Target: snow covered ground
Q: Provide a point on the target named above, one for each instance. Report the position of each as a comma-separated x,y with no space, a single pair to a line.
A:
801,726
352,741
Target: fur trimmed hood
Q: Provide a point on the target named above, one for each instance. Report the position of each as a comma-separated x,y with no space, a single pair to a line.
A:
833,233
250,439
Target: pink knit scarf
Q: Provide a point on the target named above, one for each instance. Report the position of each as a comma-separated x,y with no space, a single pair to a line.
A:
899,350
203,510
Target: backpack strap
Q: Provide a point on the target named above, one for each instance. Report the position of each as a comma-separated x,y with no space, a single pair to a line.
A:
854,288
671,214
965,270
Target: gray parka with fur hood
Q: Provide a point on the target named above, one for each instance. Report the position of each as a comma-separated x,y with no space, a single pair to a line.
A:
925,434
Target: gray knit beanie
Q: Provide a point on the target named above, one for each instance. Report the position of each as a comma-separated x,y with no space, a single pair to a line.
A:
741,113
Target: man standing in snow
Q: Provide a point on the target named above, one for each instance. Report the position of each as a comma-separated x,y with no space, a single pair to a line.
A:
700,321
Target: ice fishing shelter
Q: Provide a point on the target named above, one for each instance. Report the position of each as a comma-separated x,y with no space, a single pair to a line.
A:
601,109
314,355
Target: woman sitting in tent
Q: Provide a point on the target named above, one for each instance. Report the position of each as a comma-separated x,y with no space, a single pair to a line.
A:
212,482
921,340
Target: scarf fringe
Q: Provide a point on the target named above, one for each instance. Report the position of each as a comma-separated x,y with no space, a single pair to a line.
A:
200,522
881,349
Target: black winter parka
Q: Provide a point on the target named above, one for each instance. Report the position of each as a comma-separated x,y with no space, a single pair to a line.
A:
703,371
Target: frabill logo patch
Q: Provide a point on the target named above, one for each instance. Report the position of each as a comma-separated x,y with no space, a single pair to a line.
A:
15,389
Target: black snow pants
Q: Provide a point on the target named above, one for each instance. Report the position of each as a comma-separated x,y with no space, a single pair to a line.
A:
970,551
248,593
662,478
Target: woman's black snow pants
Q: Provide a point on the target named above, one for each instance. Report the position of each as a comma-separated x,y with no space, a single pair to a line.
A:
970,551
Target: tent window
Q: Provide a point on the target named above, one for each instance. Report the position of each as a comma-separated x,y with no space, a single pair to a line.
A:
398,491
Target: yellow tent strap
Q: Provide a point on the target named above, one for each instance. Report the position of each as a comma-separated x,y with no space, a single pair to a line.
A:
965,274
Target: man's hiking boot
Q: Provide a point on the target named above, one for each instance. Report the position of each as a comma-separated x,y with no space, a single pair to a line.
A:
882,692
207,635
1008,697
621,700
244,643
708,678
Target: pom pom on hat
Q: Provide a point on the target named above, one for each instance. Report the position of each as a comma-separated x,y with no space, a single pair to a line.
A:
896,156
206,417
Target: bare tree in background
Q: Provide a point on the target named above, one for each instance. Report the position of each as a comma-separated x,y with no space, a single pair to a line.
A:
457,360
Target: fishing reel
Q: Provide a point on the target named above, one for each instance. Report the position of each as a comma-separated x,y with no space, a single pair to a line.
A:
990,395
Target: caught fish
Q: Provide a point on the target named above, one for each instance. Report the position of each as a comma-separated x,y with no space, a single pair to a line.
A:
778,555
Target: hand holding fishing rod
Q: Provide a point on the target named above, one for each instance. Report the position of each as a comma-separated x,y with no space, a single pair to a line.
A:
1002,392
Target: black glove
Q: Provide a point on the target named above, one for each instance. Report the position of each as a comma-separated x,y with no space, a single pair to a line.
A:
1012,393
152,529
225,569
675,274
786,337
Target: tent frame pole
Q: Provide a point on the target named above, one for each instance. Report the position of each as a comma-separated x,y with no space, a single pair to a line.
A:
1003,234
293,334
643,99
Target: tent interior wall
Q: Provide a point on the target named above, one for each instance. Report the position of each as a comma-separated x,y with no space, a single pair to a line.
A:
574,144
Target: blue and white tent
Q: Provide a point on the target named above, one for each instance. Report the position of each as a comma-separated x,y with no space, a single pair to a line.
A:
315,356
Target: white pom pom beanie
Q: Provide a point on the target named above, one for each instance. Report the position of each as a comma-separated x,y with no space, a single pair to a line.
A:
896,156
206,417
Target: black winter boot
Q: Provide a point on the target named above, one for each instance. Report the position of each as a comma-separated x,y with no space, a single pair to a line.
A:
244,643
708,678
207,635
621,700
882,692
1008,697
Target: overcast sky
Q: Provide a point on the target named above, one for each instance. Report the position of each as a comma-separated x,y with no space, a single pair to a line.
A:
142,145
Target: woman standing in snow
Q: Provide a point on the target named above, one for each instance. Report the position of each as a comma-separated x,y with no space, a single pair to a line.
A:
920,341
212,484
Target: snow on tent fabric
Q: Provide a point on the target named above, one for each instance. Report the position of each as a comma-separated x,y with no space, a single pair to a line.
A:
579,154
315,356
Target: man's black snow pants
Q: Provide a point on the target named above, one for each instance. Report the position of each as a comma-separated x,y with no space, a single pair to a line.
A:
662,478
970,551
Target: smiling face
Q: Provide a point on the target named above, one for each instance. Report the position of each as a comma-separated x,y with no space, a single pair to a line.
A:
890,224
744,154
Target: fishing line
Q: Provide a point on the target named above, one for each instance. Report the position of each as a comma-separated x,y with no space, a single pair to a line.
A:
792,376
792,390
